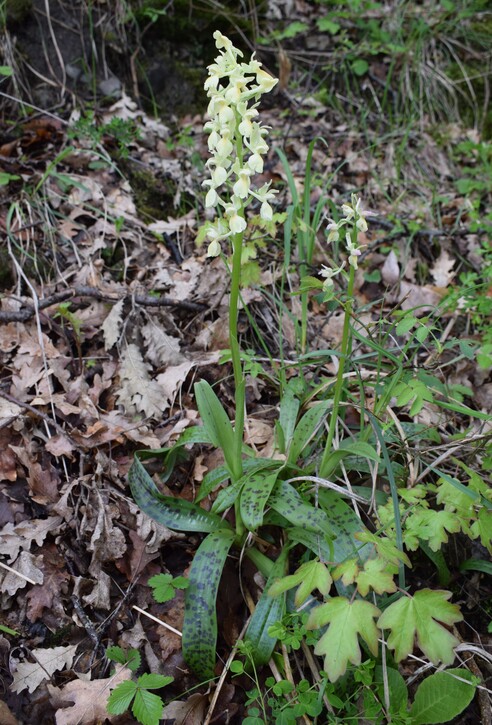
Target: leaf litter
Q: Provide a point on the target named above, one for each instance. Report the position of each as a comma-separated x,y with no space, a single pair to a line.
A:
86,391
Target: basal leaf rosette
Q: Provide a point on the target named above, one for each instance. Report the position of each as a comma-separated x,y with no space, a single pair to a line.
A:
236,141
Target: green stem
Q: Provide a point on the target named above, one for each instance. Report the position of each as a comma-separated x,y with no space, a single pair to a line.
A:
239,381
344,354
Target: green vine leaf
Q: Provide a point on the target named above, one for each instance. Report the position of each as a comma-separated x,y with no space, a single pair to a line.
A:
432,526
385,548
483,528
347,571
418,618
310,576
377,575
340,644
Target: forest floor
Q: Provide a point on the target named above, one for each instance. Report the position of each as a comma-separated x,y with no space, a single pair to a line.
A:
110,311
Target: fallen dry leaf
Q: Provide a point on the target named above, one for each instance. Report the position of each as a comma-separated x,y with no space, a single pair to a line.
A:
83,702
420,299
55,577
29,675
6,717
442,269
14,538
162,349
8,462
187,712
112,325
25,564
138,393
390,271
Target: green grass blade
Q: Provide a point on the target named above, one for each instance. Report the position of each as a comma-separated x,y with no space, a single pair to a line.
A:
268,611
200,619
394,493
172,512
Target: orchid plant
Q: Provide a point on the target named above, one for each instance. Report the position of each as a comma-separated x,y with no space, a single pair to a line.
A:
294,491
237,145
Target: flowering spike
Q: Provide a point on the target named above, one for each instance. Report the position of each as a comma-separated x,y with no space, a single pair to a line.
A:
236,141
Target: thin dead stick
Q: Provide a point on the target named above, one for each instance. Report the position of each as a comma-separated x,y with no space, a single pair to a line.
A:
38,414
399,428
315,673
159,621
278,678
146,301
223,675
17,573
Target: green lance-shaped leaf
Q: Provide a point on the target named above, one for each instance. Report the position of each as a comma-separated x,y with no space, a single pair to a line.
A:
217,424
418,618
339,644
289,408
443,696
319,544
344,524
285,500
306,429
268,611
218,475
172,512
170,455
359,449
254,496
200,618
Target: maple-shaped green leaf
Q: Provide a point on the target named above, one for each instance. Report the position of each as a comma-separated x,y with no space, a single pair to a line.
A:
378,575
310,576
418,618
431,526
340,644
385,547
416,494
347,571
483,528
453,499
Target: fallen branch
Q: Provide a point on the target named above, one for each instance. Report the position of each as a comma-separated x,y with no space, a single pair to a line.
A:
146,301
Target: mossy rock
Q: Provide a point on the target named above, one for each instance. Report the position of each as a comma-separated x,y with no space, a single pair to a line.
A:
153,196
178,47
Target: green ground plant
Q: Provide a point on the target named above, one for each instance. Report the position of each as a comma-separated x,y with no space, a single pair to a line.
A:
136,694
361,618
